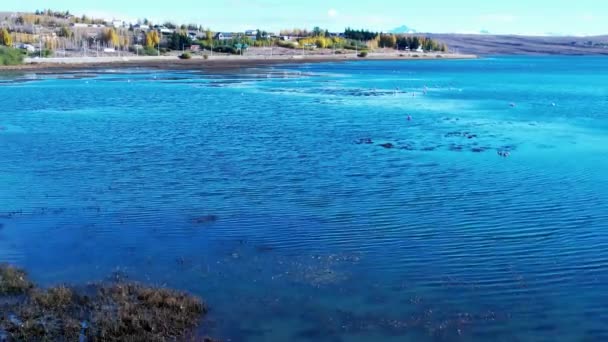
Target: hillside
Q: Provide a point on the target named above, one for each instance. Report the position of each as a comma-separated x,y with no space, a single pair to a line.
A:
523,45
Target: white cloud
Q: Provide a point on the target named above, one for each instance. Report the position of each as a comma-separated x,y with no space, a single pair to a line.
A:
332,13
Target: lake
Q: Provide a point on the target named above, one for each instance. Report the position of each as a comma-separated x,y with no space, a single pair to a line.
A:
358,201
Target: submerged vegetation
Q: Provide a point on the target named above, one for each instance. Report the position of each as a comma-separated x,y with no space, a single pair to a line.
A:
13,281
109,312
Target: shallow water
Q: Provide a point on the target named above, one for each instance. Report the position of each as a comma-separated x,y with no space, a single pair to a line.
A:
268,193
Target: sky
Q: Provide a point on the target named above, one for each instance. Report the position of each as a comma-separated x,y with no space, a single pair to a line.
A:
529,17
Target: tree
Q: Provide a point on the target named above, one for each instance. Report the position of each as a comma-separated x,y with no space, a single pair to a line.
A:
5,38
414,43
316,31
152,39
209,37
124,41
65,32
387,41
111,37
170,25
179,41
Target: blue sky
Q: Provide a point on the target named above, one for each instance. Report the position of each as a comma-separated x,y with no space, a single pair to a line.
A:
580,17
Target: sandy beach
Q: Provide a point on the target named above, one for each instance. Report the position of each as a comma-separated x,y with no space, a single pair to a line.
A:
213,62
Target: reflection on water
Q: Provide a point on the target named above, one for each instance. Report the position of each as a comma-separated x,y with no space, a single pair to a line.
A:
329,202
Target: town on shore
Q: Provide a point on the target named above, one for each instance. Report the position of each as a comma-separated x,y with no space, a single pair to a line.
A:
51,35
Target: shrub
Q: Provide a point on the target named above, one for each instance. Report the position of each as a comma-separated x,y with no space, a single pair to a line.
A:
185,55
284,44
338,52
226,49
45,53
206,56
10,56
149,51
362,54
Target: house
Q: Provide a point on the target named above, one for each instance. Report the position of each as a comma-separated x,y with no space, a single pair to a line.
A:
79,25
195,48
224,36
141,27
164,30
419,49
251,32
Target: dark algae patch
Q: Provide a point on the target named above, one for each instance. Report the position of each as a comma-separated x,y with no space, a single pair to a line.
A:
117,311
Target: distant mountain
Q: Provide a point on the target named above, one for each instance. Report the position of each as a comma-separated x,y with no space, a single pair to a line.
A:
402,29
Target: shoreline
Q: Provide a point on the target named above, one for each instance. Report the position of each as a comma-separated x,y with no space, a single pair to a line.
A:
212,62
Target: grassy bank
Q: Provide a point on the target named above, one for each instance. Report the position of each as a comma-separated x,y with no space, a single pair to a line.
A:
10,56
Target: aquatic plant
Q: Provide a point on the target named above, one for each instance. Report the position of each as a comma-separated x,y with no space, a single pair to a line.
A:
13,281
116,311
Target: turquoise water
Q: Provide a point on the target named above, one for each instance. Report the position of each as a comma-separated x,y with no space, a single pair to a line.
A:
303,205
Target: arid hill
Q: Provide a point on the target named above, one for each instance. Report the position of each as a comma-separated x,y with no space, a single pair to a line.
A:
524,45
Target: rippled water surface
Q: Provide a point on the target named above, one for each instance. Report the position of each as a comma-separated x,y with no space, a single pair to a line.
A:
303,204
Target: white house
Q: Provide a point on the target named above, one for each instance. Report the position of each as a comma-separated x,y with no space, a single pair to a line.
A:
251,32
419,49
79,25
164,30
224,36
142,27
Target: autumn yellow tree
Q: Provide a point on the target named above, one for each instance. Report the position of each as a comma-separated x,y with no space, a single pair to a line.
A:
5,38
152,39
111,37
124,41
209,37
